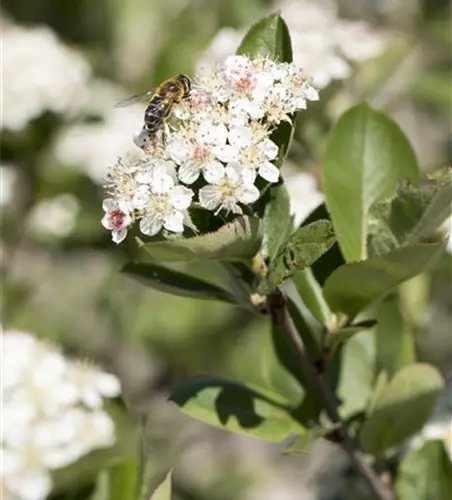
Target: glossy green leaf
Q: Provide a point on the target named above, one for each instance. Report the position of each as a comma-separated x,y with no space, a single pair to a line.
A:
402,408
241,239
176,283
268,37
336,337
163,491
123,480
311,294
366,156
425,474
394,339
277,219
352,287
301,250
235,407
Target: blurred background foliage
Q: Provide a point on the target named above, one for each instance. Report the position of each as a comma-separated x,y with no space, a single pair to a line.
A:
60,269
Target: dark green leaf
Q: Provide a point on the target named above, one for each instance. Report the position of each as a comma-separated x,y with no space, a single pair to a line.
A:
241,239
352,287
277,219
341,335
268,37
123,480
163,491
425,474
177,283
234,407
311,294
367,154
301,250
402,408
394,339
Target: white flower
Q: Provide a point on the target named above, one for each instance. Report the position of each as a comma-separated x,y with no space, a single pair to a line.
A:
116,218
250,155
226,193
55,217
8,184
165,206
304,195
39,74
47,420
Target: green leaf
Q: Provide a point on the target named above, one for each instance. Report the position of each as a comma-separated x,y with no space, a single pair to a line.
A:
394,339
268,37
366,155
163,491
235,407
402,408
425,474
123,480
336,337
241,239
415,214
277,219
311,294
356,373
303,443
177,283
301,250
352,287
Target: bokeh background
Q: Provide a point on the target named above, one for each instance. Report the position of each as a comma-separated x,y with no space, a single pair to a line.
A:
65,65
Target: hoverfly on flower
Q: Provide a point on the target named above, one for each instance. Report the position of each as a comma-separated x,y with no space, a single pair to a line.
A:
161,101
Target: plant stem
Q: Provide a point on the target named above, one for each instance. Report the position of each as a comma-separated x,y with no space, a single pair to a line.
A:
281,317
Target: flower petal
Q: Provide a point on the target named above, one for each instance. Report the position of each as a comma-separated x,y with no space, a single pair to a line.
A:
210,197
248,175
174,222
188,173
213,172
225,153
109,204
106,222
118,235
269,148
240,137
150,225
161,183
248,194
181,197
269,172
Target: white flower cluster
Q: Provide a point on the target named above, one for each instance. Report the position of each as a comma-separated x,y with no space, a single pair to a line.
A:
52,413
218,143
39,74
322,43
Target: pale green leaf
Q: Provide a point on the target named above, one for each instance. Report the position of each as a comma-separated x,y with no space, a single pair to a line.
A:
352,287
402,408
367,155
241,239
235,407
163,491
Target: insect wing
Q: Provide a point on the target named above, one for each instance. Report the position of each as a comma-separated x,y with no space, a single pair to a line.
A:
135,98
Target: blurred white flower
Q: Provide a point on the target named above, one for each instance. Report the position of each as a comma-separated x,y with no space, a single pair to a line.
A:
435,430
322,43
55,217
39,73
447,228
8,179
303,193
51,415
217,141
91,146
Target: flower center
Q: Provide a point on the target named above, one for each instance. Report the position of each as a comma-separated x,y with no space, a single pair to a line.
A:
201,154
160,204
243,84
116,218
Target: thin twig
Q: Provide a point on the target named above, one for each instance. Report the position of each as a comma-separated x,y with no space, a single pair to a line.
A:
281,317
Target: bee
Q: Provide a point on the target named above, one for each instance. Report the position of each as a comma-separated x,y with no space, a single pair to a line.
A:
161,101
